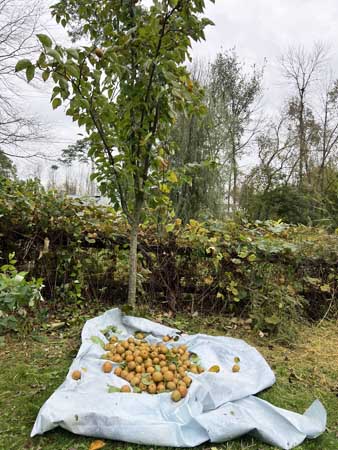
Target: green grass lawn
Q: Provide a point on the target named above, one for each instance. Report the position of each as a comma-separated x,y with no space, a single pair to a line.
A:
31,369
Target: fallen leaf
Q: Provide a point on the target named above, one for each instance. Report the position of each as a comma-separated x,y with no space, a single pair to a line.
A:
96,445
214,369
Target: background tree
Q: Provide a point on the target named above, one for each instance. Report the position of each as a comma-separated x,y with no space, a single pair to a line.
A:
329,131
198,151
301,69
125,89
7,168
76,152
235,93
18,24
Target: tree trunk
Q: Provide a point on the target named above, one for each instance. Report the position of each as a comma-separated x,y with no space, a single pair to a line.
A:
235,188
229,190
235,175
133,255
302,143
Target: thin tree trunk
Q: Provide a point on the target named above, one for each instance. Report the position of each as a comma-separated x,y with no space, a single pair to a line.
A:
235,172
229,190
302,143
133,255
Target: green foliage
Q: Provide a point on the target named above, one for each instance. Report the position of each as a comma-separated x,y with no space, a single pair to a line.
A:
126,87
269,272
210,147
57,232
292,204
288,203
7,167
18,296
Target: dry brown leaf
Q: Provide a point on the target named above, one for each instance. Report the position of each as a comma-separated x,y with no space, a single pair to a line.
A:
96,445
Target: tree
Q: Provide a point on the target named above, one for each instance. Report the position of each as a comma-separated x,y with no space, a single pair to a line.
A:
52,176
329,130
125,89
76,152
197,149
7,168
301,69
275,147
18,22
235,93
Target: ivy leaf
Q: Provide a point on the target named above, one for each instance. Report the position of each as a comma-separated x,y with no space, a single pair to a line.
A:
45,40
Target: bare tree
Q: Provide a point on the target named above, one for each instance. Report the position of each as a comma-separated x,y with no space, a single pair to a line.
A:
18,25
275,147
329,128
302,68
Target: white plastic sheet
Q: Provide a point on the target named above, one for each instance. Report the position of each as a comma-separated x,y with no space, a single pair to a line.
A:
219,406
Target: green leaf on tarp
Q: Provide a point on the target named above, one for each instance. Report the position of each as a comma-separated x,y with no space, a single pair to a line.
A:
113,389
195,358
146,379
109,330
98,341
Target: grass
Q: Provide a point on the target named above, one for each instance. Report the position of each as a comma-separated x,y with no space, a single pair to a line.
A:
31,369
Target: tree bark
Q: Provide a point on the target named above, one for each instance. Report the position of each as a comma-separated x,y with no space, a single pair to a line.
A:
132,282
301,138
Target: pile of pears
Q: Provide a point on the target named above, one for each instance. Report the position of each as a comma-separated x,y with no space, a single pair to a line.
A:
152,368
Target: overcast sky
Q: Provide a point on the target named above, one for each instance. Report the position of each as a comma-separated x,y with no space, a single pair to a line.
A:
260,30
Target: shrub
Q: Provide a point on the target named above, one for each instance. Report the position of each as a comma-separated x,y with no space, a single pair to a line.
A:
268,271
17,296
